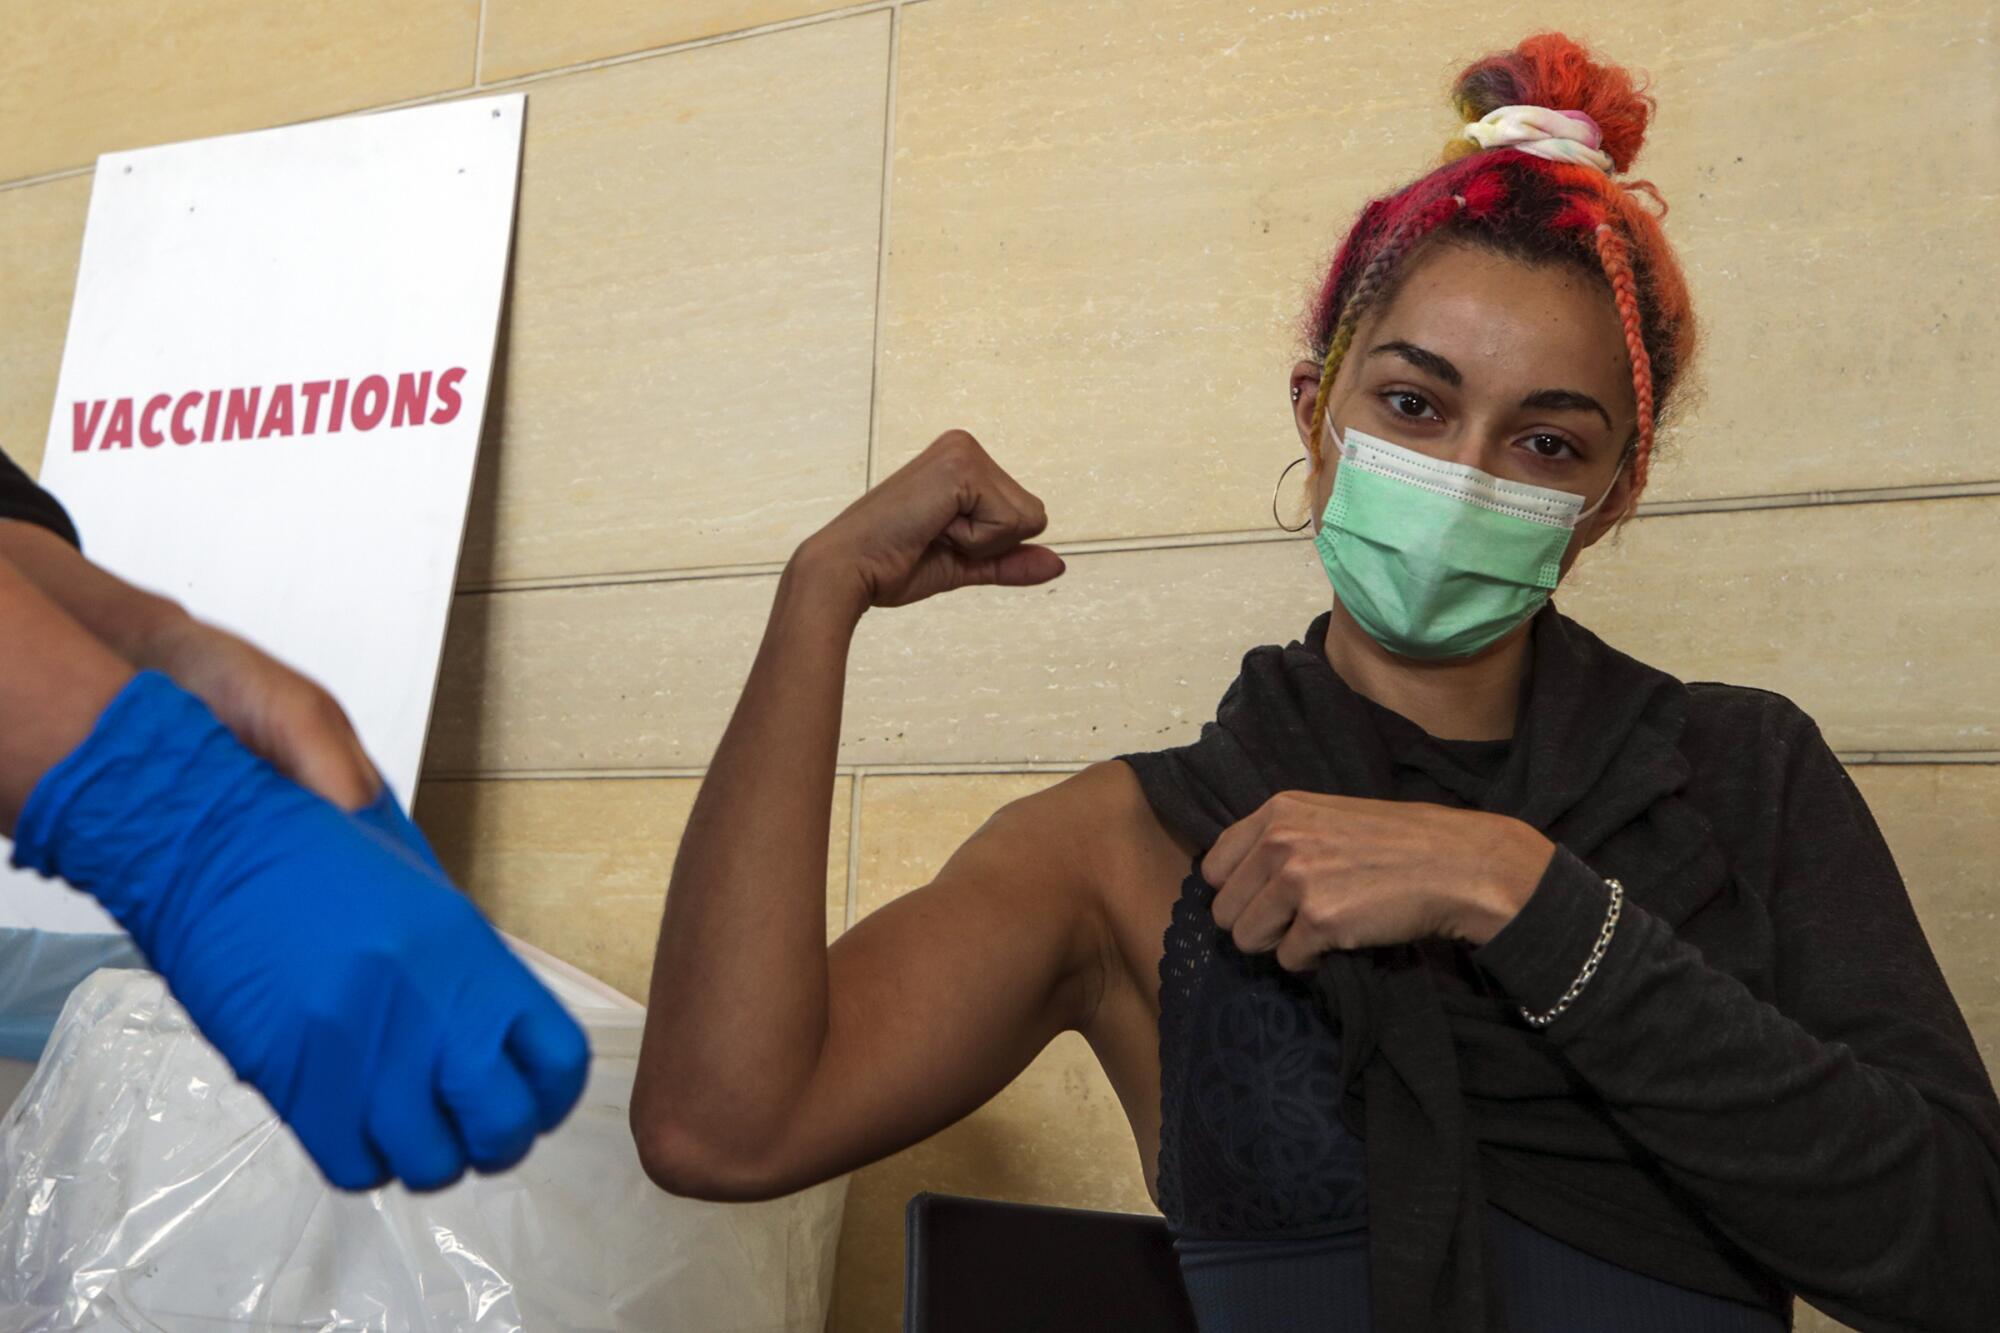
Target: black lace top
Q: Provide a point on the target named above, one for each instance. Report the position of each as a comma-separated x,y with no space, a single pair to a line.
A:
1250,1142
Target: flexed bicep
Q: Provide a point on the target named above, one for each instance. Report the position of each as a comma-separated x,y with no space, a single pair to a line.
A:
938,999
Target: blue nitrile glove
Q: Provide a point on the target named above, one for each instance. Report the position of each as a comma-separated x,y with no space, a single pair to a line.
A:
362,994
385,815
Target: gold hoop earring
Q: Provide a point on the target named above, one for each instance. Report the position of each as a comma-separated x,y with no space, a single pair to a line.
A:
1274,498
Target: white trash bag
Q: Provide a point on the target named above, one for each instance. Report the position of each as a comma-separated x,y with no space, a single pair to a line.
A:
147,1189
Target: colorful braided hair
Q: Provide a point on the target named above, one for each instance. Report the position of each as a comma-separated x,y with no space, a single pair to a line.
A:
1533,209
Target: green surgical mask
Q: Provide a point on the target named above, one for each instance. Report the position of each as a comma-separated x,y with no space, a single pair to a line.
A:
1437,559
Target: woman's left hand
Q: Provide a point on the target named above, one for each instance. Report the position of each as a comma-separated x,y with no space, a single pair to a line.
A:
1308,873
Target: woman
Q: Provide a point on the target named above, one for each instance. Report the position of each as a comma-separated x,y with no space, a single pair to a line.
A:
1465,972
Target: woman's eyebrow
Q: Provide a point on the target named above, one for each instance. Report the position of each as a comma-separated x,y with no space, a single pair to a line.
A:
1566,399
1422,358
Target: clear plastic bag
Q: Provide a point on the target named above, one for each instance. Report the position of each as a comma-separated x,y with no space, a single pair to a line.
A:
147,1189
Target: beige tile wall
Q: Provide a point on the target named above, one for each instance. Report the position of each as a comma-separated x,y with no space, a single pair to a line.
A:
580,867
1098,222
689,384
77,80
523,36
41,234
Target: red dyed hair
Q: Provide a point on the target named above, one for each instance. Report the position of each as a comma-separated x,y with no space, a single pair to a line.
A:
1533,209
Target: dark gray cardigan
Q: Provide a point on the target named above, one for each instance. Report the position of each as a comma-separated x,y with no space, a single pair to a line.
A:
1767,1086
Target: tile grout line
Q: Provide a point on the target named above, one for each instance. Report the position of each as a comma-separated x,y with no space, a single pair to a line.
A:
1002,768
694,43
642,774
882,247
26,181
519,80
555,71
647,53
1258,536
1889,758
479,48
1941,490
853,846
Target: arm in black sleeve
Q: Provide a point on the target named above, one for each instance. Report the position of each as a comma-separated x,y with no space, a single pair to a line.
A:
1847,1137
21,498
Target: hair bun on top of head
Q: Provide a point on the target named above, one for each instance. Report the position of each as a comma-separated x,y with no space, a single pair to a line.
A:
1550,97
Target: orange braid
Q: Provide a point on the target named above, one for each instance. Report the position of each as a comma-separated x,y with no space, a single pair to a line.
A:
1612,253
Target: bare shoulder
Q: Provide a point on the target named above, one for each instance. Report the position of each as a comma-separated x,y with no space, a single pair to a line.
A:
1137,863
1088,848
1043,880
1098,820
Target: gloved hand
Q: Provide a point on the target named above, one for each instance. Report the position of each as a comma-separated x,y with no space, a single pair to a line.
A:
386,817
322,953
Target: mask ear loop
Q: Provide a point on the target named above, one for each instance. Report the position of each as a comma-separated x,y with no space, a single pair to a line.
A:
1584,517
1274,498
1328,440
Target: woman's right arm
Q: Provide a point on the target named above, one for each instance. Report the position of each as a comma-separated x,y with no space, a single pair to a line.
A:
771,1062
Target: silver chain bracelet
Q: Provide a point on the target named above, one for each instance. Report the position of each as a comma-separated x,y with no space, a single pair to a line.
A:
1590,964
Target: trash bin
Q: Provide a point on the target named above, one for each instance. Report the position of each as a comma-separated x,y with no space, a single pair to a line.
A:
146,1188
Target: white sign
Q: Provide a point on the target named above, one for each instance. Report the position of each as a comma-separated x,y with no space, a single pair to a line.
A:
271,397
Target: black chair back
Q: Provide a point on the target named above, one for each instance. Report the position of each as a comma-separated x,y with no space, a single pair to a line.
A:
982,1266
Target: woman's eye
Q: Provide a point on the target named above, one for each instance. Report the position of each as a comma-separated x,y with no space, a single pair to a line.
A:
1549,446
1406,404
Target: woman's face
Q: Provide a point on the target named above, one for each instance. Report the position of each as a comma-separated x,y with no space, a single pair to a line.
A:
1480,359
